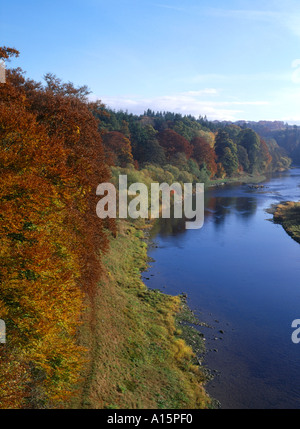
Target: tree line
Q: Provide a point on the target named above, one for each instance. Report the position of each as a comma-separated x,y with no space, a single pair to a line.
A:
51,161
200,147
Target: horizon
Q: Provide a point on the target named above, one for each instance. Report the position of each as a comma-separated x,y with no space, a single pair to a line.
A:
233,62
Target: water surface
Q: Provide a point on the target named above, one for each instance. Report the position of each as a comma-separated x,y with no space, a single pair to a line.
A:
241,274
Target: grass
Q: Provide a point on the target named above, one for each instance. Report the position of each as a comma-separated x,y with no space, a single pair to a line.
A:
241,178
138,357
288,215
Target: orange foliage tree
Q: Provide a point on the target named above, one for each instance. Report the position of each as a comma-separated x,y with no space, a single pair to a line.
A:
118,149
173,143
51,161
204,153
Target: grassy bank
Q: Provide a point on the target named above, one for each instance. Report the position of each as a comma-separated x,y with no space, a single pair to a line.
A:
241,178
288,215
137,355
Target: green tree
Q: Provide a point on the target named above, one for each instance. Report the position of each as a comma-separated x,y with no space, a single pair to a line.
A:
250,140
243,158
229,161
146,147
227,152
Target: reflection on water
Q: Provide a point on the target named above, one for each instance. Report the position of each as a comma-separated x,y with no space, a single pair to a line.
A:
241,274
216,208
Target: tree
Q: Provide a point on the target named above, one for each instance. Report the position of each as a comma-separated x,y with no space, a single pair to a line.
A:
146,148
251,142
203,153
243,158
173,143
229,161
51,161
118,149
208,136
221,173
233,132
6,53
265,158
226,151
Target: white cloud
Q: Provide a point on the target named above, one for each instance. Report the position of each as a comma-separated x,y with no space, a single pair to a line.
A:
292,120
195,103
208,91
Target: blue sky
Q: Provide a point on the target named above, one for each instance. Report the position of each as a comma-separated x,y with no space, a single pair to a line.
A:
233,59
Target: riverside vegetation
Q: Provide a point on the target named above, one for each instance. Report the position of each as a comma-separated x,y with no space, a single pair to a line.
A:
82,328
288,215
138,357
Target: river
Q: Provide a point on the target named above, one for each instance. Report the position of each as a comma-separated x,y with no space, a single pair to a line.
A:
241,274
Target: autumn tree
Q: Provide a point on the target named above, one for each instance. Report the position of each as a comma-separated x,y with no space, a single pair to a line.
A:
118,149
7,53
51,161
204,153
208,136
173,143
39,267
265,158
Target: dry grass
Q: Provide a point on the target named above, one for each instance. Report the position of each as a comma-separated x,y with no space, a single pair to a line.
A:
137,359
288,215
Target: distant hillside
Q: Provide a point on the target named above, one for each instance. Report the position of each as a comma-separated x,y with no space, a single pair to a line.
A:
285,135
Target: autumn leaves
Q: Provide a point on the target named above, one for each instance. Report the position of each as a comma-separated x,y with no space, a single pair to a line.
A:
51,160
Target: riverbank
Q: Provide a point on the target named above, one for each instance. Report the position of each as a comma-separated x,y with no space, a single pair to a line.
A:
288,215
241,178
138,352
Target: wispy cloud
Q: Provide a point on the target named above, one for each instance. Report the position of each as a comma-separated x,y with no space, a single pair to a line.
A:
284,14
166,6
265,15
239,77
195,103
201,92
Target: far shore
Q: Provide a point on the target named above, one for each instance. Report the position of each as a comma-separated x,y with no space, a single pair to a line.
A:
288,215
243,179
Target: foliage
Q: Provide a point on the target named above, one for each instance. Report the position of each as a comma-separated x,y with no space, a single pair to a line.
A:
203,153
51,160
118,149
226,151
250,140
173,143
161,138
288,215
146,147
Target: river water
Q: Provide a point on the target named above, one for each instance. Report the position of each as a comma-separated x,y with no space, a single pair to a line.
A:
241,273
